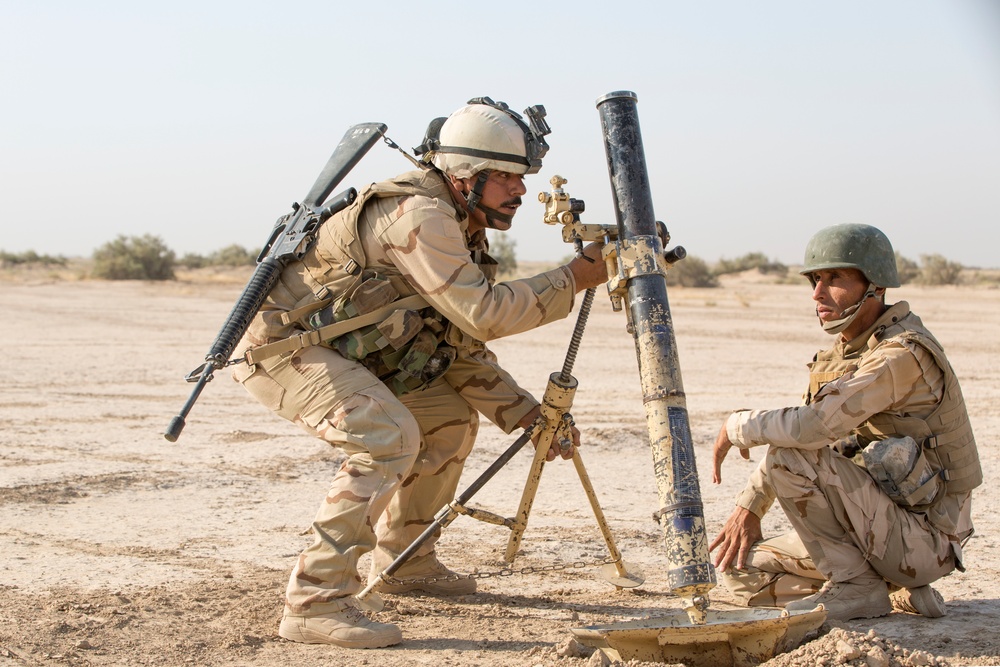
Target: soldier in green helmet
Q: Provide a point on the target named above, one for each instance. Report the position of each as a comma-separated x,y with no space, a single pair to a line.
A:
874,471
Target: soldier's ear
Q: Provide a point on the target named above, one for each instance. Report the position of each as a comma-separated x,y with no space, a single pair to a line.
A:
463,185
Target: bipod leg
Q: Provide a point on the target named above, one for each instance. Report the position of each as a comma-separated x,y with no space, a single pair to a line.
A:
368,598
556,402
615,571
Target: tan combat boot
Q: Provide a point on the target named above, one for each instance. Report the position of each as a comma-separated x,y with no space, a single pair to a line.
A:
425,574
922,600
348,628
865,596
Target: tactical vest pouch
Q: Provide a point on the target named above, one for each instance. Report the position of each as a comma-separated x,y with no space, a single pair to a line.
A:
405,350
424,361
900,468
371,294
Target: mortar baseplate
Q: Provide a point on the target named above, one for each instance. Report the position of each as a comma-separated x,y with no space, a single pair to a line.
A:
740,638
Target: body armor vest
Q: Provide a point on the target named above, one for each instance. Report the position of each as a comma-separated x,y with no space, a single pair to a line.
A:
945,435
332,282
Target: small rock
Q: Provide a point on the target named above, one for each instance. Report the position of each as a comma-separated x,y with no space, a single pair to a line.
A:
599,659
84,644
847,650
570,649
877,658
920,659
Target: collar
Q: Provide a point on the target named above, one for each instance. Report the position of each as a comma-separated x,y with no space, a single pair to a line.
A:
870,337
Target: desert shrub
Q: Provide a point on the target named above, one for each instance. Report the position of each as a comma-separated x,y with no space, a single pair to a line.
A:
232,255
134,258
691,272
936,270
751,260
193,260
502,250
985,277
30,257
906,268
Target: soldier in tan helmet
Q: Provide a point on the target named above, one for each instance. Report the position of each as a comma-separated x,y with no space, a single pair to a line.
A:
874,472
402,398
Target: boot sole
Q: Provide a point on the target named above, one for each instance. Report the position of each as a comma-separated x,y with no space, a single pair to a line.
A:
924,601
870,612
305,636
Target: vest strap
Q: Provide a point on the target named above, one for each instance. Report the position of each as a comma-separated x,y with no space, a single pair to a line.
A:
331,331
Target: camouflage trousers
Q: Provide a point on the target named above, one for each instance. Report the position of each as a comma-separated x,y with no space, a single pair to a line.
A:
844,524
404,459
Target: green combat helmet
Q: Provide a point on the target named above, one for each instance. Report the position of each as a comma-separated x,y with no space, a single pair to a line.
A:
853,246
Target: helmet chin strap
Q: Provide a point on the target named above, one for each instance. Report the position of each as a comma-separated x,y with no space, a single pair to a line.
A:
475,196
849,314
493,216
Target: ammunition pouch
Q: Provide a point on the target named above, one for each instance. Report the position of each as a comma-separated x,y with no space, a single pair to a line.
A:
900,468
370,293
405,350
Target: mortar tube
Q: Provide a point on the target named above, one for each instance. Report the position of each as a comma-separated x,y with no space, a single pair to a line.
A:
690,574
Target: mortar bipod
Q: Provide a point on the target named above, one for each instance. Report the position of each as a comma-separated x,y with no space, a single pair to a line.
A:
557,427
368,599
554,420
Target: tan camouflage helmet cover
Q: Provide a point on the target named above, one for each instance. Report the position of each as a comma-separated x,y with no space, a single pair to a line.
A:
487,135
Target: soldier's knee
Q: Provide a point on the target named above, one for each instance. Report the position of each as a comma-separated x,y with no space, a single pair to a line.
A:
402,428
801,462
746,585
383,427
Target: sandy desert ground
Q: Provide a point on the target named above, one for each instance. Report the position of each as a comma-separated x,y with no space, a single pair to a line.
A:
119,548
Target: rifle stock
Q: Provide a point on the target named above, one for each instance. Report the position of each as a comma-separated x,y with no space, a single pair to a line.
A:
290,238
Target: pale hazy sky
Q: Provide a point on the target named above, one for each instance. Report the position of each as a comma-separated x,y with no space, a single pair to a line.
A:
200,121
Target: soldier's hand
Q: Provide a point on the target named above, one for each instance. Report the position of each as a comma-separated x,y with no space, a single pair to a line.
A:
589,270
556,446
722,446
742,531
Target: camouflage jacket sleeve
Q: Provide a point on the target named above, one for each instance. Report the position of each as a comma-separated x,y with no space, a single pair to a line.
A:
429,247
895,377
757,496
478,378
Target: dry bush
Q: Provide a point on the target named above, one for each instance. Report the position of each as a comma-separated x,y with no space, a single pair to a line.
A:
134,258
936,270
691,272
906,269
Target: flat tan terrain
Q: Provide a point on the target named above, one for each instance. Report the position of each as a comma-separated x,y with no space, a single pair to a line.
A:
119,548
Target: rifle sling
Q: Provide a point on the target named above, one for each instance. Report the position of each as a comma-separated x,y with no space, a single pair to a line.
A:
331,331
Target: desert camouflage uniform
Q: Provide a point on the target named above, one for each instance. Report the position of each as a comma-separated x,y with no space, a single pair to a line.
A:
892,380
406,450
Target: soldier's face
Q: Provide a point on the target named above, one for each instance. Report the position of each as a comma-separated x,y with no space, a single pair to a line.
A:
502,192
836,290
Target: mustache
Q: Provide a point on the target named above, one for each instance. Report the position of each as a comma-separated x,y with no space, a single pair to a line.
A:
513,201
